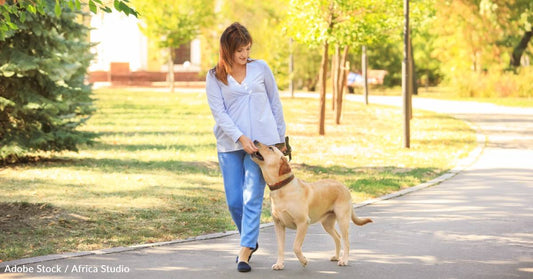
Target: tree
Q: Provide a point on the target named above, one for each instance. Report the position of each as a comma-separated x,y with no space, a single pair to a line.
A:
422,17
522,12
43,98
520,48
361,23
172,23
19,8
312,23
482,35
341,24
476,41
43,63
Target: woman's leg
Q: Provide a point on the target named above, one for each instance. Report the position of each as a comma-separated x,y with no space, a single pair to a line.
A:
252,195
231,165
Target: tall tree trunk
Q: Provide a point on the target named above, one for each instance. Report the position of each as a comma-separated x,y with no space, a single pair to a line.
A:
171,69
335,67
520,48
322,83
412,67
364,66
343,72
291,68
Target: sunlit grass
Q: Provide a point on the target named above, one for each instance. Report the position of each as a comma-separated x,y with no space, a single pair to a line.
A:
153,174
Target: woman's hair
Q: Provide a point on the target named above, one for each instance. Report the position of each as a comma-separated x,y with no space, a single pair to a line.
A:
234,37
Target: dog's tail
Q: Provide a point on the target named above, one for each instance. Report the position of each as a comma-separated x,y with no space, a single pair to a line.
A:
360,221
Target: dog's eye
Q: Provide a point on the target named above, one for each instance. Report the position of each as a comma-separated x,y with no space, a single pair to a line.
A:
270,147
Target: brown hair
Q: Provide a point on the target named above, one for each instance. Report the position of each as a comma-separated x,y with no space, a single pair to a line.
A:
234,37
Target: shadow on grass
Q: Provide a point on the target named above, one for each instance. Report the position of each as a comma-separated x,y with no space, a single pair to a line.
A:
127,133
109,165
156,147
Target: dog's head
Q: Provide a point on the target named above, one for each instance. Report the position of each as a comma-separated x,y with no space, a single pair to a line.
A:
272,162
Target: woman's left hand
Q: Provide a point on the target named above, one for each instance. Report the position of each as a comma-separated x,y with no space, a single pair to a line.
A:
248,144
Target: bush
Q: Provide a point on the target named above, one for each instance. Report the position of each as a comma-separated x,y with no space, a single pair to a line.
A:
496,84
43,98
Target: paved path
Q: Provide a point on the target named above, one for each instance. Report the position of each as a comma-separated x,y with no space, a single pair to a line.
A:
478,224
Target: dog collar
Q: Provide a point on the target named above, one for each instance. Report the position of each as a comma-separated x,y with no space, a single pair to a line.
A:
280,184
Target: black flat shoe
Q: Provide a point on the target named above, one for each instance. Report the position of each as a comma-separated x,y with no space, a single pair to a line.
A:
253,251
243,267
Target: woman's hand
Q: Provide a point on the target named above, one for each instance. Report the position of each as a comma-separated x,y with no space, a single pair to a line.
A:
248,144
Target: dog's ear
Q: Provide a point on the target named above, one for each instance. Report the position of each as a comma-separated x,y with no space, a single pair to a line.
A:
284,167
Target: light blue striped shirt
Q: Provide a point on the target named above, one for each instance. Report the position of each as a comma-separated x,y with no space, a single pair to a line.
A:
251,108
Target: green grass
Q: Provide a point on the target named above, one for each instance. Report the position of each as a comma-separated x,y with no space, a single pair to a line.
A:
153,173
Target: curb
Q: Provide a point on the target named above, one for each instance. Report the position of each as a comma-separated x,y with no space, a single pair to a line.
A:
462,165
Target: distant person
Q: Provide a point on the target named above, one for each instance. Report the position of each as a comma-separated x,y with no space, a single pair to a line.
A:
353,80
244,100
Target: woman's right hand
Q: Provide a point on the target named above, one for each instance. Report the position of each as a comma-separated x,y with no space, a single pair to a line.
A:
248,144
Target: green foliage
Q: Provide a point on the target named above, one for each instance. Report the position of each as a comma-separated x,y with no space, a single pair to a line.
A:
19,9
387,56
172,23
43,98
497,84
340,22
345,23
474,43
306,66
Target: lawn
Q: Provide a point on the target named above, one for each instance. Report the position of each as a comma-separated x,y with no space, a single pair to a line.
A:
153,175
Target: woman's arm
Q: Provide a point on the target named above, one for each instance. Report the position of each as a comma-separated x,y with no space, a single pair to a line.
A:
218,109
275,102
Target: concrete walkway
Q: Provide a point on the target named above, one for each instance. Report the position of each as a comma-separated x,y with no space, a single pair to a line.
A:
476,224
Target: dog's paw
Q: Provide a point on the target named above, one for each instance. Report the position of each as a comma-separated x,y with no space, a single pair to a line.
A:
278,266
303,261
334,259
342,262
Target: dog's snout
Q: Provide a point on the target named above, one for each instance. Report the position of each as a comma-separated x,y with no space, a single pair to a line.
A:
256,142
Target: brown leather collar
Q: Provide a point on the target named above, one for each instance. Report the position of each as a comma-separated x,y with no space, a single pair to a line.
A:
282,183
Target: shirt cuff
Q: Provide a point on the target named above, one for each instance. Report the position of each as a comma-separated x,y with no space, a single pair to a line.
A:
236,137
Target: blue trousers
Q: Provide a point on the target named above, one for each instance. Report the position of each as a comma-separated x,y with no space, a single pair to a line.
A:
245,187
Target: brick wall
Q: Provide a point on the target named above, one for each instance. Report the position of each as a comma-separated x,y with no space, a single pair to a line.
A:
120,74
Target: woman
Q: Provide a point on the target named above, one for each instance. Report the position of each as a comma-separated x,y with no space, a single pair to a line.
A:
245,104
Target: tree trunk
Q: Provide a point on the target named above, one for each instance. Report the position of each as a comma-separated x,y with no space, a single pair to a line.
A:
520,48
412,67
335,65
322,84
291,68
171,69
364,61
405,79
410,81
341,85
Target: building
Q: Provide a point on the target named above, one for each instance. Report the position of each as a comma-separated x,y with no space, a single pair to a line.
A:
125,56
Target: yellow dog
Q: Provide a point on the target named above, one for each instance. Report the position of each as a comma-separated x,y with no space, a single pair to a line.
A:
296,204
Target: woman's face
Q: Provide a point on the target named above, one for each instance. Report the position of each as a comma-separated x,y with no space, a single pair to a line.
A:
241,55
